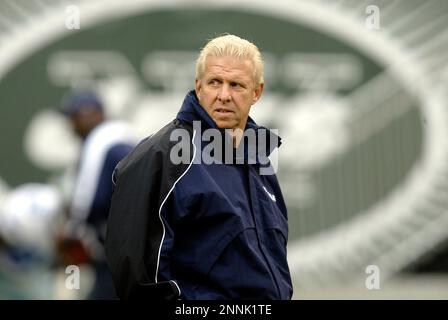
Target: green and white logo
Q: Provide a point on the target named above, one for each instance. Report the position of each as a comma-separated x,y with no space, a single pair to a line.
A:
363,160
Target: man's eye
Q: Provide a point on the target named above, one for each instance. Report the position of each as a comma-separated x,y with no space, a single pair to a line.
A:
237,85
213,82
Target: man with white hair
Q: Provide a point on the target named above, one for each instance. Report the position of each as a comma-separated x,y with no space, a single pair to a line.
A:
196,220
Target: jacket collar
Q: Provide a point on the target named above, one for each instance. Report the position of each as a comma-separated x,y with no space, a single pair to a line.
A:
191,110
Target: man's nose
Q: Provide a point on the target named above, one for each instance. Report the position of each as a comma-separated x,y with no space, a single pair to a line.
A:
224,95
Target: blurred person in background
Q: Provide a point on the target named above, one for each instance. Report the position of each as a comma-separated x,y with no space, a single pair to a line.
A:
104,143
30,216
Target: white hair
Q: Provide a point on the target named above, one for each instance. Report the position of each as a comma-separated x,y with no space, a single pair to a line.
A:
234,46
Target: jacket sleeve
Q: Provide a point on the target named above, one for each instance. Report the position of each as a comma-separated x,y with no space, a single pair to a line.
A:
135,230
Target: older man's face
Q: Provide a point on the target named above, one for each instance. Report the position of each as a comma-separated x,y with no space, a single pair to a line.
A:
227,91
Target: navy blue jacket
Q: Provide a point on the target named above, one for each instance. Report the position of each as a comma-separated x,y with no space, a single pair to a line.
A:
194,230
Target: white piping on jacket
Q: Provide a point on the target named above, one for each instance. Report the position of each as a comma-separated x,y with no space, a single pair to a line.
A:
163,202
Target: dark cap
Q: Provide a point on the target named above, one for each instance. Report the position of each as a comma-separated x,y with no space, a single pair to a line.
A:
81,100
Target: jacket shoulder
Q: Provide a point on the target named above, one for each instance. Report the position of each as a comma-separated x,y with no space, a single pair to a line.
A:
154,149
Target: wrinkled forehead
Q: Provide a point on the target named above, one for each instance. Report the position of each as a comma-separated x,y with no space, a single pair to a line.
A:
230,66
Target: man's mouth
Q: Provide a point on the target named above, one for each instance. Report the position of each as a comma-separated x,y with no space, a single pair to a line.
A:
223,111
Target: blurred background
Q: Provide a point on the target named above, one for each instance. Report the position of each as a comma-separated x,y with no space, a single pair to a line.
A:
357,89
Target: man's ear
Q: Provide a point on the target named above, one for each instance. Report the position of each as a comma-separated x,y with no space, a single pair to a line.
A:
257,93
198,87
